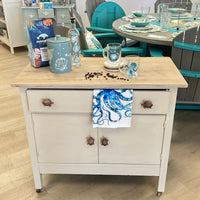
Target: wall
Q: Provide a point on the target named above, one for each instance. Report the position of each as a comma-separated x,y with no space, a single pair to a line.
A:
127,5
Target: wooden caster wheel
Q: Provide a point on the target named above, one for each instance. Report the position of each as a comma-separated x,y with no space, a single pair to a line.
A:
38,190
159,194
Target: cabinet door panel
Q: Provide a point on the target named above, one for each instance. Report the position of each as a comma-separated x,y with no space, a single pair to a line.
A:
62,138
139,144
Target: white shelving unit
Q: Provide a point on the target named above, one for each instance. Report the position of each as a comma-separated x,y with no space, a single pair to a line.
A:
14,24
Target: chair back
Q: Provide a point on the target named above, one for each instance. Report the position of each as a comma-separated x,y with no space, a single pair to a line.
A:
187,4
91,5
186,56
106,13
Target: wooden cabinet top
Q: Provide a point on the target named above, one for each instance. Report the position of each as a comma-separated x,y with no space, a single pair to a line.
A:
153,73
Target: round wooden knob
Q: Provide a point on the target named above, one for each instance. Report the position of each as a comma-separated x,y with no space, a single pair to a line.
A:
104,141
47,102
90,141
147,104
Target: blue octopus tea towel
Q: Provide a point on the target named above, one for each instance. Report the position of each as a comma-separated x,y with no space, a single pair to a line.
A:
112,108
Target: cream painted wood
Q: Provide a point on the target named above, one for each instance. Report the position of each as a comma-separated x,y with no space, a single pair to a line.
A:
167,140
31,140
160,83
14,24
105,169
63,100
63,138
159,99
140,144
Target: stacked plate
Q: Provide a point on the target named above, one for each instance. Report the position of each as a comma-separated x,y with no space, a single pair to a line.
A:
132,27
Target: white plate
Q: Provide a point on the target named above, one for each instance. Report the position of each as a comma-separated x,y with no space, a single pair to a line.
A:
131,27
179,15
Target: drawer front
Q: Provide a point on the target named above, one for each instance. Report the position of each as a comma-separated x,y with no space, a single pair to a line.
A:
46,13
139,144
144,102
62,16
63,138
30,14
150,102
79,101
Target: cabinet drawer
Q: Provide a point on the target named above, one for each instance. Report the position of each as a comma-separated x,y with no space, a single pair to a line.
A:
82,101
150,102
30,14
45,13
62,16
62,100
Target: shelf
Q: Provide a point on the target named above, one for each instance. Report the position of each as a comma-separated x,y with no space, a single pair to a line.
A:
3,20
4,40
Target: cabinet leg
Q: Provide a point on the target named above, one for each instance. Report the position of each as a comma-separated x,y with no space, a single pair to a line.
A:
38,190
38,182
159,194
12,50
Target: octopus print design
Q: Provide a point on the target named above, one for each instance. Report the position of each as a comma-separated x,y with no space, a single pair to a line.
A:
111,105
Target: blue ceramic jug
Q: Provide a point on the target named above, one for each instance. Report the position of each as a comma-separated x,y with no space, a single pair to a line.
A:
59,52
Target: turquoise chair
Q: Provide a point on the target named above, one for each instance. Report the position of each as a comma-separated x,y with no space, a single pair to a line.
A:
103,17
186,56
91,52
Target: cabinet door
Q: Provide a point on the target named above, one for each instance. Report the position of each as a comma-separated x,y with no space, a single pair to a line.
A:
62,138
140,144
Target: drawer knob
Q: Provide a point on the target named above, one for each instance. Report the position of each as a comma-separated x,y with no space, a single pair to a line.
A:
90,141
47,102
104,141
147,104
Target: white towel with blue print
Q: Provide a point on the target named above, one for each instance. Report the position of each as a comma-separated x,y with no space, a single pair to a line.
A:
112,108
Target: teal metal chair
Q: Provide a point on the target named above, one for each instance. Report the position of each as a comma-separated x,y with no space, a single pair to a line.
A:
186,56
91,52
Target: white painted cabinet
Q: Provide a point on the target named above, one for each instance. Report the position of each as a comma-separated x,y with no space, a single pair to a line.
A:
58,113
14,24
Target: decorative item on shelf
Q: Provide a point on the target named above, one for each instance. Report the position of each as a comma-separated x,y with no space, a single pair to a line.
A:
48,5
75,43
28,3
44,0
59,53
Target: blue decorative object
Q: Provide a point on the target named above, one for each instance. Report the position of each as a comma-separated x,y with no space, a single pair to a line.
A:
39,31
75,43
59,52
113,56
112,108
